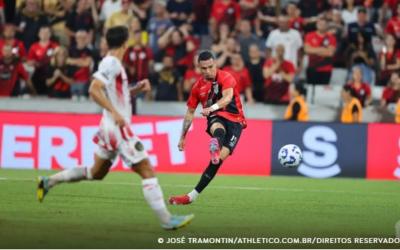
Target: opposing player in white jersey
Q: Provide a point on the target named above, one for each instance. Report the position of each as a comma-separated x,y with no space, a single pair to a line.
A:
110,90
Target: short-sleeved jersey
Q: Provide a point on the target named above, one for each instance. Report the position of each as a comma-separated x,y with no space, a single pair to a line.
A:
317,40
113,75
208,93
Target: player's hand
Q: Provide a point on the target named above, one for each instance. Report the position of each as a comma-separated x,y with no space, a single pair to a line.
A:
181,144
144,85
206,111
119,120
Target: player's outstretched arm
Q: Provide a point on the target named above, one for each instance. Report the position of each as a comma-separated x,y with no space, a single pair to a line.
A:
226,98
187,122
96,91
141,86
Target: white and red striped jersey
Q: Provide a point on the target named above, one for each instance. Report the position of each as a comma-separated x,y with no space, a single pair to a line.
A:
113,75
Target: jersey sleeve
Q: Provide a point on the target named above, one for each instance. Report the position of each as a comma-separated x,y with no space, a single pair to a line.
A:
193,99
108,70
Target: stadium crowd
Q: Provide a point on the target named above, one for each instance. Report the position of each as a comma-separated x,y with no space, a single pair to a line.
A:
51,47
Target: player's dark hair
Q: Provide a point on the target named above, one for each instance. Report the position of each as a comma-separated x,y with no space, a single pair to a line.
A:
116,36
205,55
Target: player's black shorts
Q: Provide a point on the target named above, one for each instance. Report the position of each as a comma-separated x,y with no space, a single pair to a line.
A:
233,131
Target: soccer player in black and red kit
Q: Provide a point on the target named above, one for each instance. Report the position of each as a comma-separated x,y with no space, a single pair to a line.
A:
216,91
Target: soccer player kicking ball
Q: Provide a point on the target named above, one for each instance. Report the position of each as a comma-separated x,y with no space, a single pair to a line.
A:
110,90
217,93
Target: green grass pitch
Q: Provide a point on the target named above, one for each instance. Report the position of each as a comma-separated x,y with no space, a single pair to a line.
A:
113,214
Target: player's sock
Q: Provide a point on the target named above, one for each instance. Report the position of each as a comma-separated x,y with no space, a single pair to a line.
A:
193,195
153,194
219,133
70,175
207,176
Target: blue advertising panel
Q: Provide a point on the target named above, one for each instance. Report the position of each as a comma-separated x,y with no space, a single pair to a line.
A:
329,149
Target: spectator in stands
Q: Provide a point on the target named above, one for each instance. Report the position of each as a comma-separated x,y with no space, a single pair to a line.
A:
352,109
389,59
8,38
141,9
362,26
361,54
266,19
224,11
57,12
99,53
349,12
289,38
138,60
180,11
393,25
245,38
255,67
248,9
297,109
81,60
39,57
361,90
28,20
391,92
242,77
278,75
201,11
191,76
11,72
224,58
136,30
158,24
220,39
178,43
320,47
59,75
122,17
168,82
296,21
108,8
312,8
83,17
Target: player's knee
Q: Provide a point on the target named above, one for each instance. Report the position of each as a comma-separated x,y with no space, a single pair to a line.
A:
216,126
144,169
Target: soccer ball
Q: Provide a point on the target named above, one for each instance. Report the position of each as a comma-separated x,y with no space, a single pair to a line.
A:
290,156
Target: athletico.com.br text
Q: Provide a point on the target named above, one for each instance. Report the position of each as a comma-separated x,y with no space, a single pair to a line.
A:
275,240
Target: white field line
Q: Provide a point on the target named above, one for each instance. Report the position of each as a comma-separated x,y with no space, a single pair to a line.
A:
228,187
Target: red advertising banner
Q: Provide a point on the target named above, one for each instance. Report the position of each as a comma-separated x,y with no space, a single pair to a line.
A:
58,141
383,160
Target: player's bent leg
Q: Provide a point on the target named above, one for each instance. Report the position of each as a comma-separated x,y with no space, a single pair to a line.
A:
218,133
97,172
154,197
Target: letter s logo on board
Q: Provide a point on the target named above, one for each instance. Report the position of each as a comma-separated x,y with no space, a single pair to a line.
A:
321,154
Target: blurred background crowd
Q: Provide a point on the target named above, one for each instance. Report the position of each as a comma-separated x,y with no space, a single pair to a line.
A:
51,47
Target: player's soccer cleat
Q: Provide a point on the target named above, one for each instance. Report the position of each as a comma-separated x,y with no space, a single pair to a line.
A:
180,200
214,150
42,188
177,221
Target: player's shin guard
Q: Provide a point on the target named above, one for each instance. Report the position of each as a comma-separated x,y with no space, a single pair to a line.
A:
70,175
219,133
153,194
207,176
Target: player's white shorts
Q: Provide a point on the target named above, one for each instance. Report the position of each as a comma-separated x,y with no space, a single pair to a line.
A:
113,140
